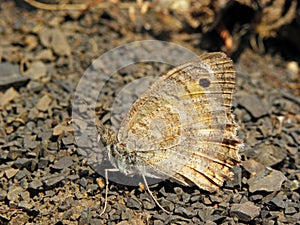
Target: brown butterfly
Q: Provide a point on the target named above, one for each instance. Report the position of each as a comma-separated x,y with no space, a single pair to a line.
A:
181,127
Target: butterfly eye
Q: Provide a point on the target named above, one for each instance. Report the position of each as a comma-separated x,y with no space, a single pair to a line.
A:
204,82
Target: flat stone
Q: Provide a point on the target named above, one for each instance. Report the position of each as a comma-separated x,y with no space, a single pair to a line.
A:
252,166
35,185
36,70
15,193
45,54
279,201
254,105
21,174
10,76
22,162
43,163
82,182
44,103
55,39
62,163
92,187
61,128
11,172
8,96
184,212
266,180
68,140
133,203
269,154
53,180
246,211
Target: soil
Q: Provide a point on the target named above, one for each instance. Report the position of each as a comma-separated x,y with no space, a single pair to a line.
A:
47,177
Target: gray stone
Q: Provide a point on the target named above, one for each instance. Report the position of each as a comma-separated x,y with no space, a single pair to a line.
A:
22,173
68,140
252,166
245,212
133,203
53,180
62,163
35,185
22,162
266,180
83,182
92,187
269,154
290,210
16,193
10,75
186,212
254,105
279,200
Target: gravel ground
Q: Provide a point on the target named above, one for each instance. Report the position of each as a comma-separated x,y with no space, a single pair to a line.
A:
46,179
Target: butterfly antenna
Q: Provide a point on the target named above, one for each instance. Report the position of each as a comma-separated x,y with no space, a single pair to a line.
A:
106,187
157,203
106,191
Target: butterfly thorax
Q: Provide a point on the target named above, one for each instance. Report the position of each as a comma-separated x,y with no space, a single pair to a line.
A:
123,159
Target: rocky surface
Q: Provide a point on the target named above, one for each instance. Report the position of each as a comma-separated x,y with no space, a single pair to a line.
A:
46,179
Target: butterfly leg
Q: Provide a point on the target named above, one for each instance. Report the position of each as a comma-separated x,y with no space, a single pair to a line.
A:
106,187
148,189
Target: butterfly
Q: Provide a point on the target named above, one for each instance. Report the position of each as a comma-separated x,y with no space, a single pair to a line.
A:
181,127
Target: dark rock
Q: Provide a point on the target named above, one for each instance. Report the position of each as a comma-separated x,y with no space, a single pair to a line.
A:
266,180
255,198
237,179
22,173
186,212
245,212
62,163
53,180
43,163
269,154
14,153
84,217
29,142
22,162
114,215
83,182
205,213
167,205
279,200
35,185
126,214
68,140
133,203
147,201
